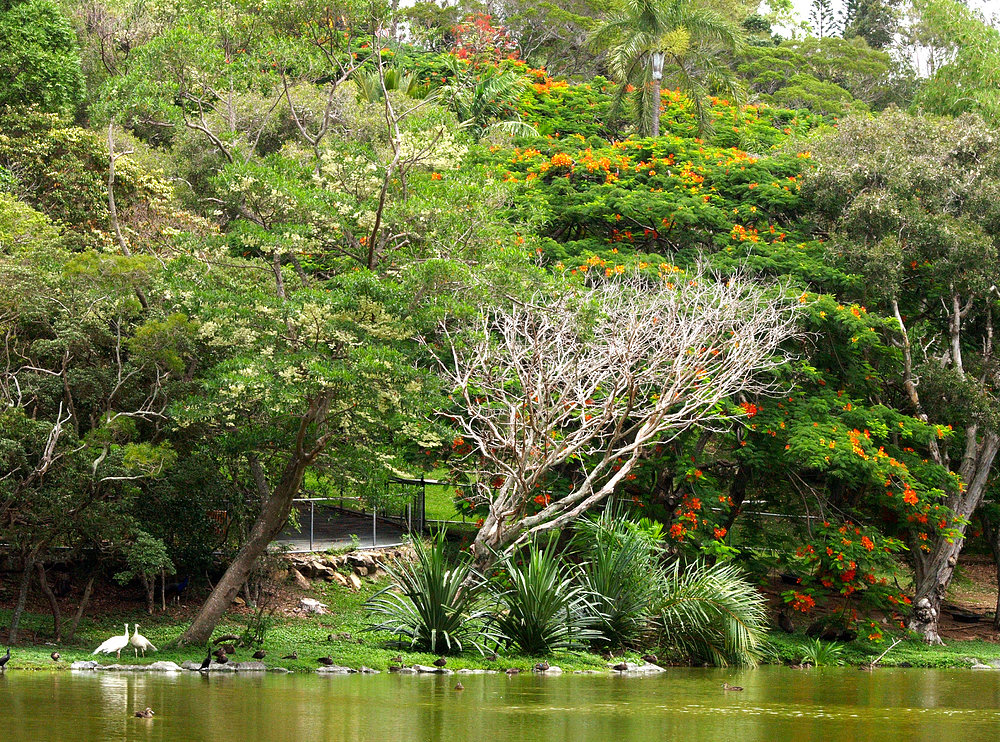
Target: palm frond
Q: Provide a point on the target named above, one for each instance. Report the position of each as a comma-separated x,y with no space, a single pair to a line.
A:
712,613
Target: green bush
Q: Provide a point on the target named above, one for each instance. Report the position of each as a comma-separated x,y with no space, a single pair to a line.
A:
544,608
621,573
711,613
40,64
436,605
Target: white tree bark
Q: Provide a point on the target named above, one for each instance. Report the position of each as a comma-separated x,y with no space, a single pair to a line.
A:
589,379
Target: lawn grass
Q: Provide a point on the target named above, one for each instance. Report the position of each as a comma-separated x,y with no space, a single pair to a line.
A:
308,636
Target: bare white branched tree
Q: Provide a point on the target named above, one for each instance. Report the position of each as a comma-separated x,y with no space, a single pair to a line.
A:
587,380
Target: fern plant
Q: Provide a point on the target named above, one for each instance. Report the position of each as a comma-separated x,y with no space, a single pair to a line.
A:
438,606
818,653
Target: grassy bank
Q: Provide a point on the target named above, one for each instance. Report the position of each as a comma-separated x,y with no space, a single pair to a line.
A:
340,636
309,636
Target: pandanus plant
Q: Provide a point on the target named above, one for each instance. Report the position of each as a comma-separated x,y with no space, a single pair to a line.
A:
437,605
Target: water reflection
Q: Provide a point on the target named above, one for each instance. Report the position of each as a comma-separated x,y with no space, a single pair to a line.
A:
777,705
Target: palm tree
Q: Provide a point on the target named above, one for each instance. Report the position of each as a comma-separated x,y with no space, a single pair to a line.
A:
486,101
684,37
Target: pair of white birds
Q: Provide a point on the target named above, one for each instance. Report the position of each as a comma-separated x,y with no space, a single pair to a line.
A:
117,643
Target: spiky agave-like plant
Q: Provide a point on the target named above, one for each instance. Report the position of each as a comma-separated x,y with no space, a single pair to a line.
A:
437,605
621,571
543,607
711,612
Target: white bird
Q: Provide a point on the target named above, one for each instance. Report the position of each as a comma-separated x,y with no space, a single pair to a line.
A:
115,644
138,641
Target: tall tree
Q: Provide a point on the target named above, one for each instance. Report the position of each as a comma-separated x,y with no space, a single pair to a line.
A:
965,50
875,21
676,42
822,18
909,205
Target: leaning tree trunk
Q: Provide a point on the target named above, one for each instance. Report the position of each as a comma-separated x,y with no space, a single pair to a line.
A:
934,569
274,513
22,594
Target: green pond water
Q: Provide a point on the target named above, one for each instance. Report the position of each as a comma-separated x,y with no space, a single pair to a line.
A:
777,705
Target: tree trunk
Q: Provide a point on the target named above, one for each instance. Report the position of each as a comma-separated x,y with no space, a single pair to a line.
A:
273,514
84,602
933,570
22,595
43,582
150,584
655,113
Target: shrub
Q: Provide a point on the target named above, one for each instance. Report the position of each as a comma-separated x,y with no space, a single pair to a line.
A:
436,605
621,573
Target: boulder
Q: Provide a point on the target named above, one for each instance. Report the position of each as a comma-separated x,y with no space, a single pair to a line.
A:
368,670
310,605
279,670
994,663
553,670
339,579
250,667
164,666
428,670
354,581
983,667
84,665
335,670
299,580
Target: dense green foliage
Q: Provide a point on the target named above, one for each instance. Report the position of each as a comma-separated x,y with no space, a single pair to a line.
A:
237,240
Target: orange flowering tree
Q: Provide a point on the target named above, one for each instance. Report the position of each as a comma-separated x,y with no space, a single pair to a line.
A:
579,383
907,203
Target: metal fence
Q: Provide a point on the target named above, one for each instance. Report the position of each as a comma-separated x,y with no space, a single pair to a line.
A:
344,521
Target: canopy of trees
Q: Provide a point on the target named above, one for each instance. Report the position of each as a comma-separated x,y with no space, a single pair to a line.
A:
251,249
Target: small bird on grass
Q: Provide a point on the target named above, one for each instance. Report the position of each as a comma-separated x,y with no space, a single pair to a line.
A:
727,686
459,686
440,662
491,657
325,661
229,649
147,713
259,654
293,656
55,656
